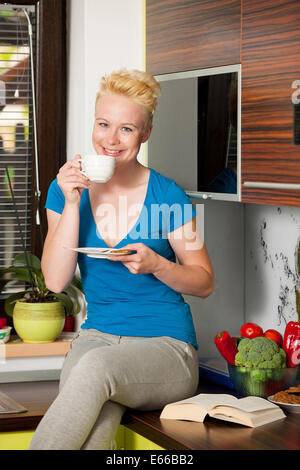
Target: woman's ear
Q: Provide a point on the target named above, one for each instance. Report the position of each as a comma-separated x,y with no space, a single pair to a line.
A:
147,134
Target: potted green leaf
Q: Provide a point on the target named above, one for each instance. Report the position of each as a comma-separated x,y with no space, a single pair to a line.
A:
38,314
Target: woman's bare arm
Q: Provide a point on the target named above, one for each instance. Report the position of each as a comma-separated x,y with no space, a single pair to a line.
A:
193,275
58,261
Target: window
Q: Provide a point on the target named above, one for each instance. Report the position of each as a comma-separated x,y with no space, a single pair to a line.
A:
17,137
16,129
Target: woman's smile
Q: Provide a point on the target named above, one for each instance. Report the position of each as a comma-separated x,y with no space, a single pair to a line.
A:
112,153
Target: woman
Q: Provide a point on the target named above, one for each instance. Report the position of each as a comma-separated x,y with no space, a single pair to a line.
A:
137,347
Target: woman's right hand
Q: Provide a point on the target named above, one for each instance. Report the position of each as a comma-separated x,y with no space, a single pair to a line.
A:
71,181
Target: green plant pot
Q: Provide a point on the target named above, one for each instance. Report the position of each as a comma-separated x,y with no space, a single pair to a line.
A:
38,322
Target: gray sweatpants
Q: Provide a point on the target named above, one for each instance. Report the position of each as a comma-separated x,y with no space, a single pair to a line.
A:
102,375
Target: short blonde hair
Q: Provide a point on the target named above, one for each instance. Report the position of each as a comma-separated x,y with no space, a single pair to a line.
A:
139,86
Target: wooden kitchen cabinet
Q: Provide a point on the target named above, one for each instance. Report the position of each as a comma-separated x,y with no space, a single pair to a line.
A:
270,57
18,440
126,439
134,441
262,35
191,34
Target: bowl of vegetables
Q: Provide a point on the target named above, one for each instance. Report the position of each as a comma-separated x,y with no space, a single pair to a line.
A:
259,365
261,382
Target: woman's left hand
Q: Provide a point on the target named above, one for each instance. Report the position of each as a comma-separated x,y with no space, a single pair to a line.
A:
144,261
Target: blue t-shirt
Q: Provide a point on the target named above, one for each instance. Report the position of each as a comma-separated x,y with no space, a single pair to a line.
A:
126,304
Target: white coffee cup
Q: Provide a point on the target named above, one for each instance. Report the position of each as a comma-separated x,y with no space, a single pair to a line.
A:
98,168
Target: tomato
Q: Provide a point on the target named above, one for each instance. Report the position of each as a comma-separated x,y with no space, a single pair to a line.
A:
275,336
251,330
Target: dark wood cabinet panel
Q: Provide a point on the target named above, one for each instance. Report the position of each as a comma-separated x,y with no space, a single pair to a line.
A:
270,65
263,35
51,99
187,34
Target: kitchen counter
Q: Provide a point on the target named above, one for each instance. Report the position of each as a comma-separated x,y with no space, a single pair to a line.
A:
213,434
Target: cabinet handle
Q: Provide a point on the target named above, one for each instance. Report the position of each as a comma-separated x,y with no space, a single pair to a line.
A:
198,195
265,184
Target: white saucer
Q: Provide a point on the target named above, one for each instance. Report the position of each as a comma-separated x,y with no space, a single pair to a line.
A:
101,253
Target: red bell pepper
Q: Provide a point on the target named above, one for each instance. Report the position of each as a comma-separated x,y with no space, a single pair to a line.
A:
291,343
236,340
226,346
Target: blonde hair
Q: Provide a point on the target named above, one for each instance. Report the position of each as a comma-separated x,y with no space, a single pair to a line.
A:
139,86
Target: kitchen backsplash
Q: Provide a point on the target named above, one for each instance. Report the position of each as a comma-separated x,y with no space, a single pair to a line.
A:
271,264
254,254
224,309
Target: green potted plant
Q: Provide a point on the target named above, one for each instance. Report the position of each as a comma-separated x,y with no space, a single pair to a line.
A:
38,313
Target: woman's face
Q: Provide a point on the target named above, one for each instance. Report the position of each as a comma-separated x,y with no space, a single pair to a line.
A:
119,128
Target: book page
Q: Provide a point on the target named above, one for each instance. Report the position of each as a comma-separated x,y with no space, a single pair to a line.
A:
250,404
209,400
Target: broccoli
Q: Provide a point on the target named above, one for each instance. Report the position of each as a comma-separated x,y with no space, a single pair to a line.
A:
261,353
260,361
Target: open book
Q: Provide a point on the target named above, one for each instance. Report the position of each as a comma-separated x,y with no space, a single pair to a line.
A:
250,411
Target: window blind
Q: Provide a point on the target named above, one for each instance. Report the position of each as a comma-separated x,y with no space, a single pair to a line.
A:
16,130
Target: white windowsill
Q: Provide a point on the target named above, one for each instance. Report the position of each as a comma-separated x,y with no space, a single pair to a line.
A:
22,362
